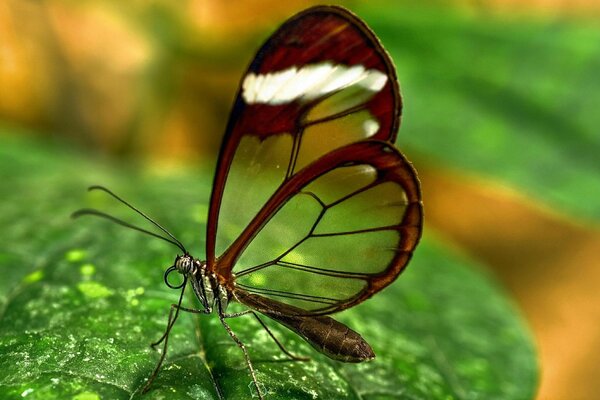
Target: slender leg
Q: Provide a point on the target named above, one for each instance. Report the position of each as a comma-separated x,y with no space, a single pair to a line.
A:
279,344
169,326
246,356
266,328
237,314
165,339
172,322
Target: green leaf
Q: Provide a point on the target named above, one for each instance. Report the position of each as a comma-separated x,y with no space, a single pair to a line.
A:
81,300
509,98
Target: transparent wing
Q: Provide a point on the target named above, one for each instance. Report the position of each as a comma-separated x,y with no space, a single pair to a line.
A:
320,82
334,234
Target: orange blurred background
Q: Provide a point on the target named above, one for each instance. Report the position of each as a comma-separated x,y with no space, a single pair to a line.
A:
155,80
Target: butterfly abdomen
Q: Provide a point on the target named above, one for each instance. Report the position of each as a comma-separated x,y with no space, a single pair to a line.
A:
334,339
325,334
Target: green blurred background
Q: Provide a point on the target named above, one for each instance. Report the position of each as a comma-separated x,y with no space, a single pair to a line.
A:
501,118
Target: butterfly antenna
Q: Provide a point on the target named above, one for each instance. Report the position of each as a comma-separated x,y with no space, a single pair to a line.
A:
173,239
91,211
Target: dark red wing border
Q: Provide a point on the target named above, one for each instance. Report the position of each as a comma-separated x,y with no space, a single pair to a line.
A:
321,34
391,166
316,35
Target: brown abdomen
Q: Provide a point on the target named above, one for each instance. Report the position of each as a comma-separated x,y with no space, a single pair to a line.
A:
325,334
330,337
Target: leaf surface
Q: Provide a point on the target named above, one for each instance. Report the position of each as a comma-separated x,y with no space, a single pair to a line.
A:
81,300
511,99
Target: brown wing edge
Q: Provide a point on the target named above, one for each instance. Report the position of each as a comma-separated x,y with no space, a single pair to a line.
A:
227,150
391,166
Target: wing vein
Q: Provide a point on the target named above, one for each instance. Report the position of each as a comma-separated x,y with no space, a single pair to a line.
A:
290,295
359,231
322,271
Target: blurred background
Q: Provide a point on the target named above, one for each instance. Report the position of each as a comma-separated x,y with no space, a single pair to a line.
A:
502,101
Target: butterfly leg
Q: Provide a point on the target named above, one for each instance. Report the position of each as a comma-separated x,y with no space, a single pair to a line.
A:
172,321
277,342
266,328
243,347
165,337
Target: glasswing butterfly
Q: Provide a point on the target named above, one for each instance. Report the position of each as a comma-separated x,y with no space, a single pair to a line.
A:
313,210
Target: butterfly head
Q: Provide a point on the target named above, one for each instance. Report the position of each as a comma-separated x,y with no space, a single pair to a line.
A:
186,264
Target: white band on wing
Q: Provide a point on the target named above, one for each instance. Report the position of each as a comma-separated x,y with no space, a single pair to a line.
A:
308,82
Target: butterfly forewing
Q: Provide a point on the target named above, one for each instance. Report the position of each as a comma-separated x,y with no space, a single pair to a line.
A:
320,82
329,245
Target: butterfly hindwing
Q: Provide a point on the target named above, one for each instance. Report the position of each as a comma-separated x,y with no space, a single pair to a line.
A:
320,82
335,233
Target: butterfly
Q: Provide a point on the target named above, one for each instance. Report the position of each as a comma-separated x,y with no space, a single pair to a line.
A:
313,210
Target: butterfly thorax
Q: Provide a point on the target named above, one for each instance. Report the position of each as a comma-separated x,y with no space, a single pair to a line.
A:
206,286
